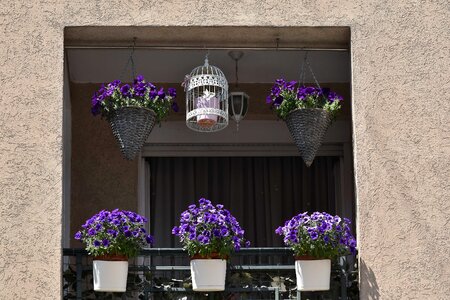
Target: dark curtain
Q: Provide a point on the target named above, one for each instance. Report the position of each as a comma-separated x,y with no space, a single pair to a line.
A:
261,192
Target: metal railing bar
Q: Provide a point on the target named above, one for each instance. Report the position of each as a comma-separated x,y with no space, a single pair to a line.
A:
165,251
79,275
253,254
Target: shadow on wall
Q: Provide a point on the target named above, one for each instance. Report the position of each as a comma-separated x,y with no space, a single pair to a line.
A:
368,285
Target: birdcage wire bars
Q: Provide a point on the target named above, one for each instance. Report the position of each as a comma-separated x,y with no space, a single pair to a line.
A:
206,99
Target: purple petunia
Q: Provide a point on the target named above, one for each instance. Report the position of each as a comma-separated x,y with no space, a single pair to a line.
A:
138,79
115,95
112,232
314,235
125,90
320,235
116,231
139,89
78,235
209,225
153,94
175,107
92,231
287,96
176,231
172,92
149,239
161,93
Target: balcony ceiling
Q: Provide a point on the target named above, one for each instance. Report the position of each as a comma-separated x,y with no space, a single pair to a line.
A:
104,65
92,57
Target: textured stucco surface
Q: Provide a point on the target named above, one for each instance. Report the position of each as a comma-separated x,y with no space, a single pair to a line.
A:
401,109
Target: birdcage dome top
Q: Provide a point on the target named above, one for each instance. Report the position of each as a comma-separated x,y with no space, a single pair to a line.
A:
207,75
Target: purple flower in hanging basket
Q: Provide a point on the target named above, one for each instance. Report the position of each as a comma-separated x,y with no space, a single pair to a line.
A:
325,91
206,229
139,89
115,83
96,102
278,100
332,97
138,79
102,90
286,97
280,82
290,86
95,110
141,94
276,90
175,107
125,90
172,92
153,94
161,93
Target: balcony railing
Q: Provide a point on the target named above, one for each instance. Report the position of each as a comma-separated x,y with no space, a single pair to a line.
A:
164,273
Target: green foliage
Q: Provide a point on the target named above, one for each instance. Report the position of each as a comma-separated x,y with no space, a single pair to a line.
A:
286,96
161,107
116,95
223,247
291,102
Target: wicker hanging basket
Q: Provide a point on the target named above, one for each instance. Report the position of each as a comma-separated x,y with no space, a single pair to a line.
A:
131,126
308,127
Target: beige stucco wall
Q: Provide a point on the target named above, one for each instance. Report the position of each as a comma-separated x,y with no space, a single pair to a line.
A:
401,108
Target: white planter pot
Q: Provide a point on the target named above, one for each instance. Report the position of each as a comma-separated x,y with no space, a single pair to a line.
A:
208,275
110,276
313,275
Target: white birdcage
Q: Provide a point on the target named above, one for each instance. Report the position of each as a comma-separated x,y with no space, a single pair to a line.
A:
206,99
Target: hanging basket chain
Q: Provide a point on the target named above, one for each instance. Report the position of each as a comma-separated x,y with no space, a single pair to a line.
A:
207,58
303,72
130,61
